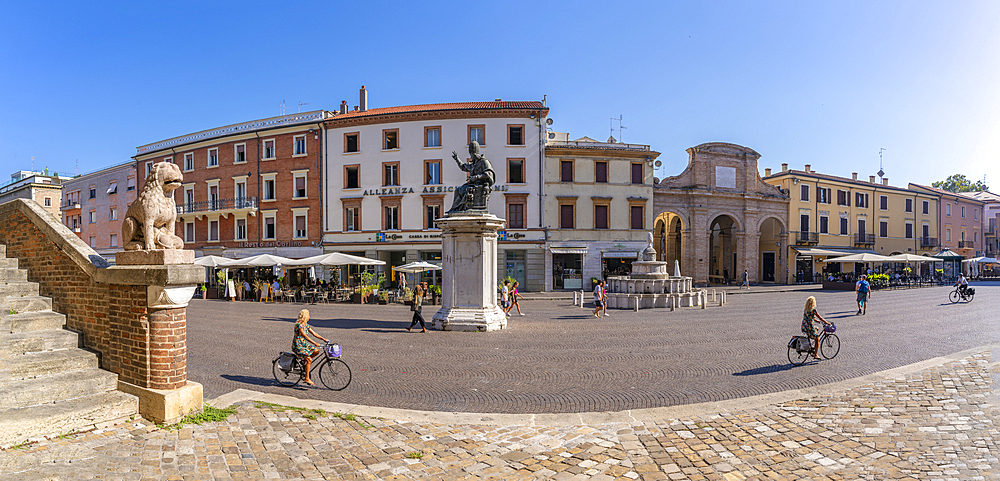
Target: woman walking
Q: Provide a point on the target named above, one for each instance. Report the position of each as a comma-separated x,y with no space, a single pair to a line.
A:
513,300
418,295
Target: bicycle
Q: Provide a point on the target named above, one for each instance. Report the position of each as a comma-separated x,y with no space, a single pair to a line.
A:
962,295
334,373
800,348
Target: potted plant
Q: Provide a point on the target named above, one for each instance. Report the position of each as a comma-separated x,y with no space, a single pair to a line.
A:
383,297
202,288
435,294
368,286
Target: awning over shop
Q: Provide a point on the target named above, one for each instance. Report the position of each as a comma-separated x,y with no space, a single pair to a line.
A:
826,251
628,254
568,250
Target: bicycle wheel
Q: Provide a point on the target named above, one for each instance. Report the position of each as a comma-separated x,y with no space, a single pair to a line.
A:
968,297
797,357
830,346
335,374
954,296
289,378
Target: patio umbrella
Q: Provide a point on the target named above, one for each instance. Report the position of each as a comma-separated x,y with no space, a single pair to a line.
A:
263,260
415,267
335,259
910,258
983,260
865,257
213,261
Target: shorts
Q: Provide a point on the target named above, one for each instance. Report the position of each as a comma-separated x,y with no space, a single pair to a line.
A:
862,296
598,303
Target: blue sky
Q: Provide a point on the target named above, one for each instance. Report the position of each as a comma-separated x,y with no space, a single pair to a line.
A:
823,83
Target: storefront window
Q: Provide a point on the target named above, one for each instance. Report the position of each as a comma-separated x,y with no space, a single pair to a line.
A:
515,267
616,266
567,271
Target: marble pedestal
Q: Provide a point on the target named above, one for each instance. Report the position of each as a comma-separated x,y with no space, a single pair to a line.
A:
469,274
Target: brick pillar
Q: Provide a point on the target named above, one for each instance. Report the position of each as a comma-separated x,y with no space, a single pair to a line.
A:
168,348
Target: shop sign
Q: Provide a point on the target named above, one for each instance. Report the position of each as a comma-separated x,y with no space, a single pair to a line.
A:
427,189
504,235
621,254
250,245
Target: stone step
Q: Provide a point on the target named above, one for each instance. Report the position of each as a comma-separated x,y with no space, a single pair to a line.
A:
56,387
35,321
35,364
18,289
29,304
38,341
96,410
8,274
8,263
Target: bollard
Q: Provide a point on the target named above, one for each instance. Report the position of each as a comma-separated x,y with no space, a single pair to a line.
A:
713,295
636,303
672,302
704,300
574,298
581,299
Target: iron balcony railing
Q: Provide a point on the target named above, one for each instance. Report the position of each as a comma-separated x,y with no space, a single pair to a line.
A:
965,244
807,238
217,205
928,242
864,239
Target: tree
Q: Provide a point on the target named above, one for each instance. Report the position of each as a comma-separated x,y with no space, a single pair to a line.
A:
959,183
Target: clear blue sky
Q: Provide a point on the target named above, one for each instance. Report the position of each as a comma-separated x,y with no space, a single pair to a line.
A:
827,84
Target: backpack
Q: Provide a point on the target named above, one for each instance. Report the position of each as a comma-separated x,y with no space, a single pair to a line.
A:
863,288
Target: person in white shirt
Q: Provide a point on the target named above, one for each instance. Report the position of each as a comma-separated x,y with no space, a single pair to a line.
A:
598,298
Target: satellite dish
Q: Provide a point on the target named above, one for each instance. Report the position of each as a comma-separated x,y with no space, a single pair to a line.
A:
552,135
548,121
658,163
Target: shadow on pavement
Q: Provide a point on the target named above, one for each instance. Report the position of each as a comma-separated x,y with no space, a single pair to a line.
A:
252,380
765,369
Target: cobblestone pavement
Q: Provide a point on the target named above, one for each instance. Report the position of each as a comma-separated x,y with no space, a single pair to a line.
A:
935,420
559,359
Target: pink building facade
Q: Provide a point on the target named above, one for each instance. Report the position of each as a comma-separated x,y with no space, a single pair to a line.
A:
960,221
94,204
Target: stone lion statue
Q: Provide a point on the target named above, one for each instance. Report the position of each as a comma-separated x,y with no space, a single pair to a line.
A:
149,221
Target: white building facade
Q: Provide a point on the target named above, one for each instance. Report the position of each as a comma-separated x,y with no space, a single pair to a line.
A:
389,174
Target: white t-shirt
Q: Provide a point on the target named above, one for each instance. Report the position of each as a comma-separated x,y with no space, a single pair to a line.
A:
598,293
503,293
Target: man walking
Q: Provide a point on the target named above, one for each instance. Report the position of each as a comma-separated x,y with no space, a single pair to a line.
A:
746,280
864,293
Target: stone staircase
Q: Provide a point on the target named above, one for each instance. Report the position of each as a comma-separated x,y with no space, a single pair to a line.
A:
48,384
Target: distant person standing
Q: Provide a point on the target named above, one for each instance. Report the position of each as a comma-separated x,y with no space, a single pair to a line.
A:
598,298
746,279
863,290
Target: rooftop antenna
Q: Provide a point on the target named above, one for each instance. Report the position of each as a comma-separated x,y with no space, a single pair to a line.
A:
620,128
282,106
32,164
301,104
880,171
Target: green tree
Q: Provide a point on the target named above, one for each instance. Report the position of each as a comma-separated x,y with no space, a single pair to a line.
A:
959,183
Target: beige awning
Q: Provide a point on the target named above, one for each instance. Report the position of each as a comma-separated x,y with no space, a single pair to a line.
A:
820,251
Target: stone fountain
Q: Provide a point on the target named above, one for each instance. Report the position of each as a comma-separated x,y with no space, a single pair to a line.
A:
652,285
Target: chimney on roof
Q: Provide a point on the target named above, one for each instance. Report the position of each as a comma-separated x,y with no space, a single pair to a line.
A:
497,100
854,175
784,167
871,178
767,172
808,168
364,99
343,107
885,181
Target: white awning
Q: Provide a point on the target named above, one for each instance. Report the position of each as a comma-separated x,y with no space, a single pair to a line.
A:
821,251
568,250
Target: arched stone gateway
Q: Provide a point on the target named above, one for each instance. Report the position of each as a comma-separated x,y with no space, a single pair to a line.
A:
718,217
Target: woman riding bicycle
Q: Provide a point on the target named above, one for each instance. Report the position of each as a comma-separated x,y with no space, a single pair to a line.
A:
302,345
809,317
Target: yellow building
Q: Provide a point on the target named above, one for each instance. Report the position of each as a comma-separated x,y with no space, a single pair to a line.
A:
832,216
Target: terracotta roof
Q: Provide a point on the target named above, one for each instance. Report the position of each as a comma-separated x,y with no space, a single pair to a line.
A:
497,105
816,175
945,192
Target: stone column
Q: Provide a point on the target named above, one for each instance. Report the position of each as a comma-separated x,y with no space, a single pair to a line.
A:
165,395
469,274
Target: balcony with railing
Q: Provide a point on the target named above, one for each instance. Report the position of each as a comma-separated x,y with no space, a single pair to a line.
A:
220,206
807,238
928,242
966,244
69,205
864,239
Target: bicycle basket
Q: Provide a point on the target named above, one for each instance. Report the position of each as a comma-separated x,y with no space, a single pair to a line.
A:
971,291
830,328
333,350
285,361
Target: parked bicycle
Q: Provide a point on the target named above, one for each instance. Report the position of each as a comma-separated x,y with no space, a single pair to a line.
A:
962,295
800,348
334,373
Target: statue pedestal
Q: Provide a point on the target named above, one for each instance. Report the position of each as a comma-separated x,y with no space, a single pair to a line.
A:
469,274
